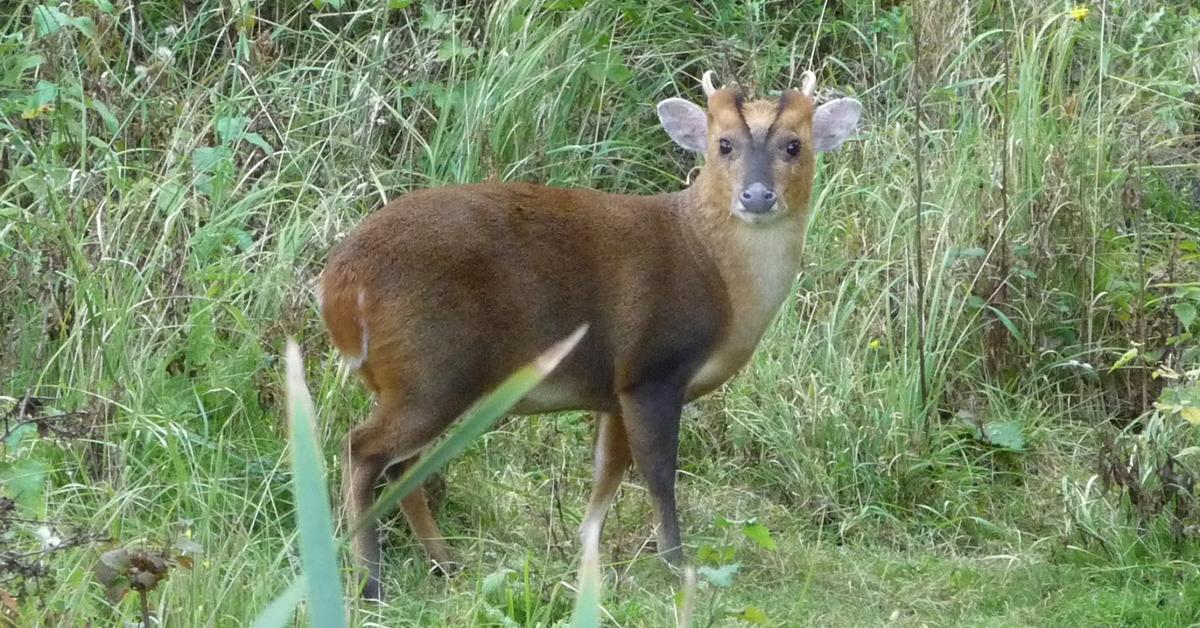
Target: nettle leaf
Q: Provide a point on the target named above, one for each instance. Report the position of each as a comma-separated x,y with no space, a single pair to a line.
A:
48,20
170,198
257,140
495,581
84,25
44,94
18,435
432,19
759,533
103,5
611,67
106,114
1006,434
230,130
202,338
208,159
453,49
1186,313
25,480
213,169
721,576
21,64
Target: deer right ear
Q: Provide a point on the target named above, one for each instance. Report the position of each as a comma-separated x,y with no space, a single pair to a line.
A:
685,122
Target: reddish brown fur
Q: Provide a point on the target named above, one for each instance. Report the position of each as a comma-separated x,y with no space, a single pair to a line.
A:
462,285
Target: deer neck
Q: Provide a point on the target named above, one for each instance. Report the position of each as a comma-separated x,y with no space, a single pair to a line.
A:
757,266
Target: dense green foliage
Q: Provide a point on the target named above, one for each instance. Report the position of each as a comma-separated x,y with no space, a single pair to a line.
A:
172,173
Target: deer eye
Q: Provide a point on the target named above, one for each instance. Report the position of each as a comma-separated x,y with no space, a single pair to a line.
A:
793,148
725,147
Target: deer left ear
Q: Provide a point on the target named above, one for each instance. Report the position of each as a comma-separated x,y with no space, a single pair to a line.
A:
685,122
833,122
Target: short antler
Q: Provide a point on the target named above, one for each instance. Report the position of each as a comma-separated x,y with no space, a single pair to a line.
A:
706,82
808,81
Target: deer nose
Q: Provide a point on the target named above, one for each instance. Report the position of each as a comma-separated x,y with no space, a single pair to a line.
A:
757,198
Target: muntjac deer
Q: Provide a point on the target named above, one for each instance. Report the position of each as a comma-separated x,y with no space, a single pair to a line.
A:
438,296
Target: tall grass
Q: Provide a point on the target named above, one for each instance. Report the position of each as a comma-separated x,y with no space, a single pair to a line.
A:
167,194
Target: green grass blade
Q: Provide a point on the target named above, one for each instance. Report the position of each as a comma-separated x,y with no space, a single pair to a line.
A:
474,422
279,612
587,605
313,515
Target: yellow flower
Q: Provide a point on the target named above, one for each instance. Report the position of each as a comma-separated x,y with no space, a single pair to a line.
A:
1080,12
874,344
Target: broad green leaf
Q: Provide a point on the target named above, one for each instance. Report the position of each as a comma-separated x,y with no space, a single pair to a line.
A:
19,434
1186,313
399,4
106,115
610,67
48,20
314,518
432,19
722,576
41,100
25,481
495,581
103,5
45,93
1191,414
452,49
1006,434
170,198
213,168
84,25
759,533
202,337
257,140
231,129
22,64
209,159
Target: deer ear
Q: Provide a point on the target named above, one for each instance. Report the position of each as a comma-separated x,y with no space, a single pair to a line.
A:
833,122
685,122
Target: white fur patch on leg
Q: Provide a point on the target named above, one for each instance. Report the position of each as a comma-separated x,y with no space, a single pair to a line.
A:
589,532
354,362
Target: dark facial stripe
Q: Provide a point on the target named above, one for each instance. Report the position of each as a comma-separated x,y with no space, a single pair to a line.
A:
785,100
758,165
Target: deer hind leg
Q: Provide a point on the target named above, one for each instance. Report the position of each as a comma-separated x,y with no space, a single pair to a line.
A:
611,459
420,518
391,434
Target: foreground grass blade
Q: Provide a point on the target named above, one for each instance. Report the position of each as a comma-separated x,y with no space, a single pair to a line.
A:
279,612
314,517
587,604
474,422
